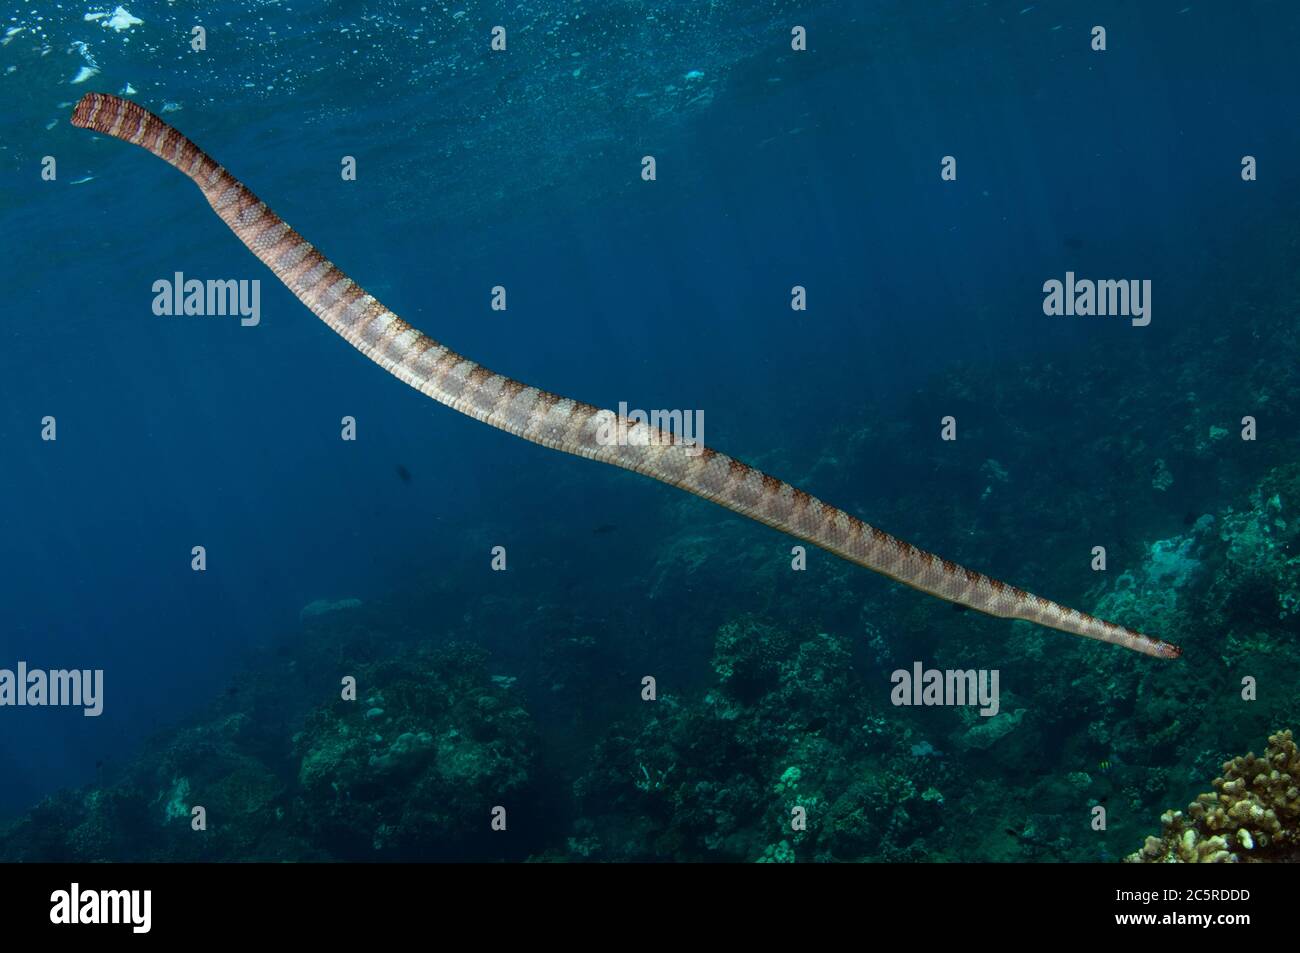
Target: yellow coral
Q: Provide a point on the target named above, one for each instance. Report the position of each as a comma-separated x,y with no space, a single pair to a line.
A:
1253,815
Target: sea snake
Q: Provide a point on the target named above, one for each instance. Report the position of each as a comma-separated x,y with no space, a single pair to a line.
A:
565,424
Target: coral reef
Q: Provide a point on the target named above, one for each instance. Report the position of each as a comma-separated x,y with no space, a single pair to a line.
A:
1252,816
1262,550
410,771
790,716
720,777
146,814
413,769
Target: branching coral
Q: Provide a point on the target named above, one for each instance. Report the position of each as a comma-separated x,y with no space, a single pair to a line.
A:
1253,816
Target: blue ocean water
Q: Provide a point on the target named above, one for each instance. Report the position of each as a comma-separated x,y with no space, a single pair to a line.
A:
522,169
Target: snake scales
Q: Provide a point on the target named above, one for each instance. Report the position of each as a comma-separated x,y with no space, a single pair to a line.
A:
564,424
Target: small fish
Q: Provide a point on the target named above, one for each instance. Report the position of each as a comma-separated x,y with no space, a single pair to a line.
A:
1103,766
604,528
958,607
403,474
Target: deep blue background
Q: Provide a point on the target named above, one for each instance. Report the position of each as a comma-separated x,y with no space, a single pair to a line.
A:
819,169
